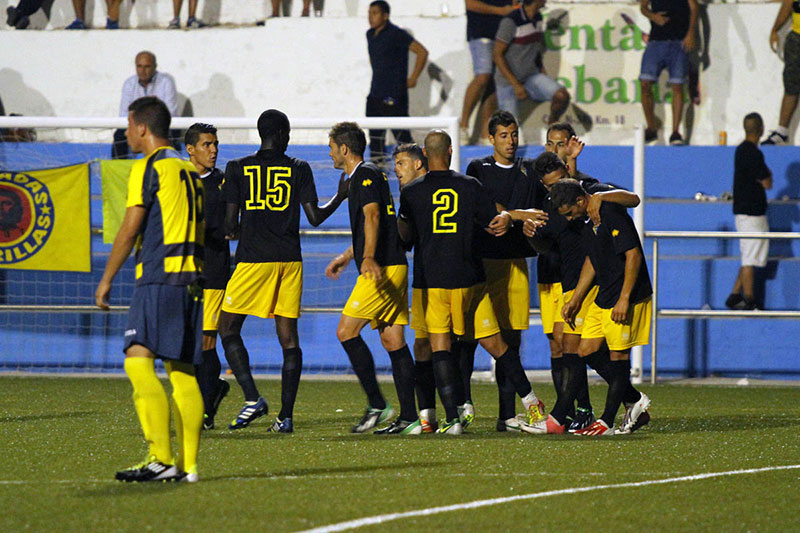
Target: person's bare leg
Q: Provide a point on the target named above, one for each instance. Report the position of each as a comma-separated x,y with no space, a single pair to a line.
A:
176,8
113,9
192,8
488,108
677,107
276,8
80,9
747,275
788,105
472,96
306,8
558,105
648,104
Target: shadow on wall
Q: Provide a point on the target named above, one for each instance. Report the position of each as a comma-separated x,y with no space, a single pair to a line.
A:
219,100
19,97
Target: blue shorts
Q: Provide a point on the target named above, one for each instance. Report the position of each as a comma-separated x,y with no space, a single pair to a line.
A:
540,88
660,55
481,51
168,321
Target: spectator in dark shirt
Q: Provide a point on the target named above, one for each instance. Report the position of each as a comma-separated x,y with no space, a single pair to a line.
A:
751,178
388,48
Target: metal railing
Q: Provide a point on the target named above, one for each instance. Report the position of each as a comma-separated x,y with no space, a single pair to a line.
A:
705,313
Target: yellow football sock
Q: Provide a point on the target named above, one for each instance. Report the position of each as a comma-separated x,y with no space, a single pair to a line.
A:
189,410
152,406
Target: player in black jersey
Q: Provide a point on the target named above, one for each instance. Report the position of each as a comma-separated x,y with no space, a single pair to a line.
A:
264,193
203,146
512,185
565,236
440,214
620,312
380,296
164,222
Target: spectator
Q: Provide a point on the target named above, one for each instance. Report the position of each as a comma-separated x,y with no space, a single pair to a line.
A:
19,17
191,22
672,34
751,178
518,49
112,20
791,70
276,8
147,82
388,48
483,18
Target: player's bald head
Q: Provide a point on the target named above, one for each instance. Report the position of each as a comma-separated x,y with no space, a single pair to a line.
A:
437,144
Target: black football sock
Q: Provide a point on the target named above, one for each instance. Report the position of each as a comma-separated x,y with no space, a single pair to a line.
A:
631,394
290,380
514,372
570,386
364,367
465,353
207,374
403,373
557,373
425,385
582,395
459,394
444,370
506,396
239,361
600,362
616,390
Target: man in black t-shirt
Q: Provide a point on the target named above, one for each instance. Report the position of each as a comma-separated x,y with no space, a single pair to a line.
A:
267,188
439,215
751,178
621,311
672,34
483,17
388,48
380,296
202,145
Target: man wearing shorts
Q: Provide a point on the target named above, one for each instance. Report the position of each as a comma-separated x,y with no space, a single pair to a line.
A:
620,313
380,296
164,221
673,26
751,179
518,50
268,188
203,146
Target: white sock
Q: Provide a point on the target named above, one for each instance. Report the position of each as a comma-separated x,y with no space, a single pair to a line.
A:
782,130
530,399
427,414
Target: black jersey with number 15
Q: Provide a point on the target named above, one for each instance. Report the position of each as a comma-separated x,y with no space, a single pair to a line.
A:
444,210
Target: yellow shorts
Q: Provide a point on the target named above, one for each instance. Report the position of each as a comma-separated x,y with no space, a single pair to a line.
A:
581,316
441,310
382,302
620,337
265,289
509,290
550,305
483,324
212,303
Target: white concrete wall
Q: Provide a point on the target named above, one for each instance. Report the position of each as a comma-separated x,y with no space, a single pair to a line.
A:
319,67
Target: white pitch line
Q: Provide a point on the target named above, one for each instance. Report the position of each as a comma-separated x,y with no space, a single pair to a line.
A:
380,519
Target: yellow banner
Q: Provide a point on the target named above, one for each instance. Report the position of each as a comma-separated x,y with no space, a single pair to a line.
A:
114,175
44,219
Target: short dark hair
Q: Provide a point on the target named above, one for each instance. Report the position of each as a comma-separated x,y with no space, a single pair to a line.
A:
565,192
561,126
351,135
195,130
153,113
413,150
382,5
274,125
547,162
752,123
500,118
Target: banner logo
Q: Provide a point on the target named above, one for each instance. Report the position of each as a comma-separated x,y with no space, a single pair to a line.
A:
26,217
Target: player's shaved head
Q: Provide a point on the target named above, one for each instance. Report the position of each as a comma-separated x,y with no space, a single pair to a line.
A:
274,128
753,124
437,144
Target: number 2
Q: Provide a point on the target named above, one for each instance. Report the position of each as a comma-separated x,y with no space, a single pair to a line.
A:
447,200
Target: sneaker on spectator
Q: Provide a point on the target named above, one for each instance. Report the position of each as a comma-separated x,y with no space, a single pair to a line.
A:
676,140
112,24
650,135
77,24
733,300
194,23
776,138
174,24
11,16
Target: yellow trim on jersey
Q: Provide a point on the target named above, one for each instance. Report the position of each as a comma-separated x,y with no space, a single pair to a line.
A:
138,270
509,289
382,302
177,264
212,305
580,318
549,305
265,289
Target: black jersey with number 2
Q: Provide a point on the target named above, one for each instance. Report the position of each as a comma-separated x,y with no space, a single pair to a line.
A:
269,188
444,210
369,185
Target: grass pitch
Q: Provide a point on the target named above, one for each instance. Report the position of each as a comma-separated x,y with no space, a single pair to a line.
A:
63,439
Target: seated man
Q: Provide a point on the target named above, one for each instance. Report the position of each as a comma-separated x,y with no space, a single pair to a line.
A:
146,82
518,49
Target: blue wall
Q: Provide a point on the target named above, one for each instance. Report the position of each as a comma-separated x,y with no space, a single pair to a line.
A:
693,273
